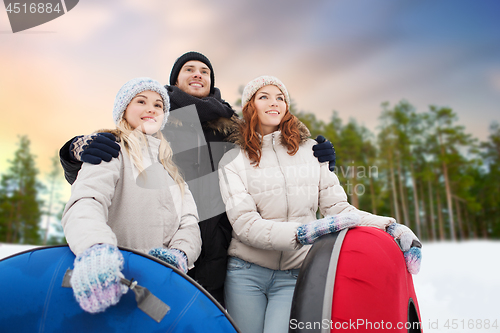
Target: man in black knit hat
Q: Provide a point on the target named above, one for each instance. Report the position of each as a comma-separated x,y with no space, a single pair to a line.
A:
197,152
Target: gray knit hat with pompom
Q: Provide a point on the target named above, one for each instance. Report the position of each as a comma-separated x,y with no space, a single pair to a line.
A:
135,86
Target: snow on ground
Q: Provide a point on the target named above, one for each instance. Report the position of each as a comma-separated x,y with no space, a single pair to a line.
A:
7,250
458,287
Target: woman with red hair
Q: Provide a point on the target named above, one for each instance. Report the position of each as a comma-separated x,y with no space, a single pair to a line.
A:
272,187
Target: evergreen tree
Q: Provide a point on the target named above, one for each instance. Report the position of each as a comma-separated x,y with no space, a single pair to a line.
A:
486,187
388,143
405,125
53,181
309,119
350,146
446,140
19,206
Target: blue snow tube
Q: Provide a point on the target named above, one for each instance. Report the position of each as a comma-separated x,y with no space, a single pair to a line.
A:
32,298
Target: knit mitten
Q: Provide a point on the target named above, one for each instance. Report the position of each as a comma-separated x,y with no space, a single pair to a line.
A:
404,236
96,278
325,152
410,245
308,233
413,259
173,257
94,148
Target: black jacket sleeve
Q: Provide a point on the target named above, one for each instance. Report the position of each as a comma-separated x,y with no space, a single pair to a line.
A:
70,166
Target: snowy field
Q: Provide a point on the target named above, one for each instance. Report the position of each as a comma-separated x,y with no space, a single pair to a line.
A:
458,287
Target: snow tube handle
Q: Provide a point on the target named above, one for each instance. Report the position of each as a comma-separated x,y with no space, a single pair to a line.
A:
146,301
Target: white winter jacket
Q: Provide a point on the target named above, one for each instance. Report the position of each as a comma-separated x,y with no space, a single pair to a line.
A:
267,204
112,203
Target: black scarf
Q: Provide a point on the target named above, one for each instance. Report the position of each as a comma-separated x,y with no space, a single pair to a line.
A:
209,108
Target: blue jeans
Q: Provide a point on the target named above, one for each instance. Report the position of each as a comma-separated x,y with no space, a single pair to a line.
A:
258,298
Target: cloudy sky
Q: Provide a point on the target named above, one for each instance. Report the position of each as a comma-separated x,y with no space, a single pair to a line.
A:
59,79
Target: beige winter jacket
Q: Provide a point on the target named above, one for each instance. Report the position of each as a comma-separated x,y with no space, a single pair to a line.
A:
112,203
267,204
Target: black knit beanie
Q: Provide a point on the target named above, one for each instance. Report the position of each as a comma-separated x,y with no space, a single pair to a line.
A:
188,57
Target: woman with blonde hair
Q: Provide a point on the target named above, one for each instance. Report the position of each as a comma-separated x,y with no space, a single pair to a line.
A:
138,200
272,187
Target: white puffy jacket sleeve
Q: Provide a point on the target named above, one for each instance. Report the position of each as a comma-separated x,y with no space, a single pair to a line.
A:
188,237
248,225
86,213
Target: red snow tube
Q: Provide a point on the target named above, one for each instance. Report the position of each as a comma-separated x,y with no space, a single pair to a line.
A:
355,281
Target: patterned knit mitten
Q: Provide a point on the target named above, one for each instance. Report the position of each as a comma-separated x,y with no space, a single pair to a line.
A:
94,148
413,259
96,278
404,236
410,245
308,233
173,257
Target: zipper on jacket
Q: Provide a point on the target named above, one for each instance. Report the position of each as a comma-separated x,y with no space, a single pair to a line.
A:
286,193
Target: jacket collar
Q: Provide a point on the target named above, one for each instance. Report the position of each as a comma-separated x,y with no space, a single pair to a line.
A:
153,145
268,139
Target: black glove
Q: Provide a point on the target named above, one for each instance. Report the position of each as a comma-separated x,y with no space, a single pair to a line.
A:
325,152
94,148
